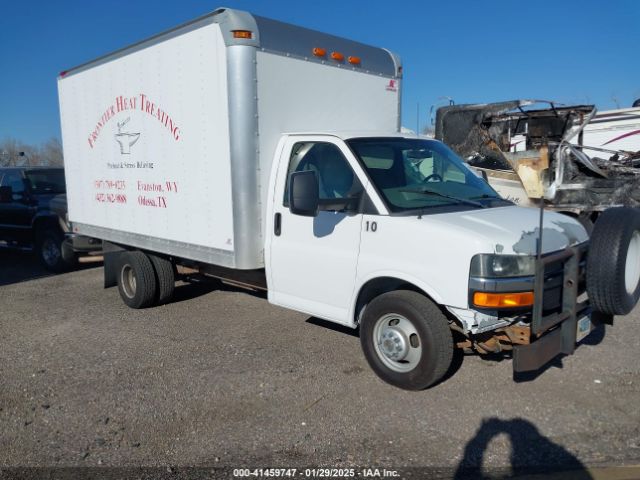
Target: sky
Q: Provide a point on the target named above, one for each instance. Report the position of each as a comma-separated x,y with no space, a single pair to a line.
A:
470,51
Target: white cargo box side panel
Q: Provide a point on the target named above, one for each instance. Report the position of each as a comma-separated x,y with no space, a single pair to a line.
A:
295,95
146,143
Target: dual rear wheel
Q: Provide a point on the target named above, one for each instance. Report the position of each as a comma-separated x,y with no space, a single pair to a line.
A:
145,280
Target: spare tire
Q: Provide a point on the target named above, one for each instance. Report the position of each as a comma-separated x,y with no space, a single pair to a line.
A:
613,264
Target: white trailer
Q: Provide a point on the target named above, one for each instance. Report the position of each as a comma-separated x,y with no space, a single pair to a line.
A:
269,154
612,130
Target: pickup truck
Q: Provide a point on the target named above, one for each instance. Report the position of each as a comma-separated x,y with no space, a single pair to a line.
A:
33,215
268,154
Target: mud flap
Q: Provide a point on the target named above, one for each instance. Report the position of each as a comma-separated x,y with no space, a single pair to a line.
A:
111,255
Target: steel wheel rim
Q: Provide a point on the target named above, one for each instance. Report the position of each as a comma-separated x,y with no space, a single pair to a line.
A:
632,264
397,342
128,281
50,252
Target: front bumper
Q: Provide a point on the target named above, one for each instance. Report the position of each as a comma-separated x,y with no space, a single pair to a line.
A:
554,333
561,340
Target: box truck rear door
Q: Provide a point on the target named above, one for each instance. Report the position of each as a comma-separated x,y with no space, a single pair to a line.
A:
312,262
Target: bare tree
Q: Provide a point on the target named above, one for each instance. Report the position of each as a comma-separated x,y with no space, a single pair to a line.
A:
16,153
51,153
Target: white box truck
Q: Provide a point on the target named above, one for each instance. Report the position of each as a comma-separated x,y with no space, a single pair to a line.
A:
269,154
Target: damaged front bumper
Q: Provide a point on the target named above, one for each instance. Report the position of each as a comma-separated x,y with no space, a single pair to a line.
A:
557,331
561,315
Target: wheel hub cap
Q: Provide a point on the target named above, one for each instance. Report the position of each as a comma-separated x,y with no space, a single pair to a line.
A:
393,344
50,252
632,266
128,279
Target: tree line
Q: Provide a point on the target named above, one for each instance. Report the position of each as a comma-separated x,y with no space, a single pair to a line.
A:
14,153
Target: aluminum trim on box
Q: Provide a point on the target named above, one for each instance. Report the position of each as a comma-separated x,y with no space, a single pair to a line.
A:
245,168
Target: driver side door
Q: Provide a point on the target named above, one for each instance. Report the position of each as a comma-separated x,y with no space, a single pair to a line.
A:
312,261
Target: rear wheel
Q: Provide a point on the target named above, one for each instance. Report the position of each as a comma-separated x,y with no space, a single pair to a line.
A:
165,276
613,265
406,340
136,280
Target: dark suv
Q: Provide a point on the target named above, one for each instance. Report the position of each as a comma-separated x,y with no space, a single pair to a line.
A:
33,214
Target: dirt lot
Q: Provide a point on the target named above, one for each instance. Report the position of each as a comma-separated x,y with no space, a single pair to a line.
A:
220,378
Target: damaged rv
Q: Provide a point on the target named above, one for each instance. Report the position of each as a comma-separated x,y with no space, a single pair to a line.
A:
553,154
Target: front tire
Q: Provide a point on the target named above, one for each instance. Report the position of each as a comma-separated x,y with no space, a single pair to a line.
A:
49,250
136,280
406,340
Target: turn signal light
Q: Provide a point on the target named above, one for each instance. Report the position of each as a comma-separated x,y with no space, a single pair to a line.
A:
319,52
337,56
354,60
242,34
503,300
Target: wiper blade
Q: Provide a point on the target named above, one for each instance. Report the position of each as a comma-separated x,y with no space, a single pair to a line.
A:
493,197
426,191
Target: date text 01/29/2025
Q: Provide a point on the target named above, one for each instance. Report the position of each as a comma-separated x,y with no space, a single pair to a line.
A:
315,472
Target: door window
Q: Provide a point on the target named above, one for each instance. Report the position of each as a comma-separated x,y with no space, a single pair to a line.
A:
336,178
15,181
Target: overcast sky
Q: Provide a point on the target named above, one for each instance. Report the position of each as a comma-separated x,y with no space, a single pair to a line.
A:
472,51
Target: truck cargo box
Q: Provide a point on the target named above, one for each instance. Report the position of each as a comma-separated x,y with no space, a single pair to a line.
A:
168,143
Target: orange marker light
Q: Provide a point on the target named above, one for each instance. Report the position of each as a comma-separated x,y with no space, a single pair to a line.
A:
503,300
242,34
338,57
354,60
319,52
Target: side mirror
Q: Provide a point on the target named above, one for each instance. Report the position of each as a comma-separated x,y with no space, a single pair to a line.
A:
6,194
304,196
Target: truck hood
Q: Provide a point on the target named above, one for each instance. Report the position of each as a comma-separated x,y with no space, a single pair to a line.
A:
514,230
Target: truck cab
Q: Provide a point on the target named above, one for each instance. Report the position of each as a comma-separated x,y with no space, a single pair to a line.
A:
399,237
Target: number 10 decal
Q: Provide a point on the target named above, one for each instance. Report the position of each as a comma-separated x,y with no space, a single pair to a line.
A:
371,226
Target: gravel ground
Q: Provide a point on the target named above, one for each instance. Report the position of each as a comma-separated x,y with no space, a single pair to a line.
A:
221,378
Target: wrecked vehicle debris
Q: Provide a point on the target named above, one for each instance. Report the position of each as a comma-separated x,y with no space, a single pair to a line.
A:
547,157
528,153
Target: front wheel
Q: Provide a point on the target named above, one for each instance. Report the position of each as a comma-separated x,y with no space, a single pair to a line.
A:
406,340
49,250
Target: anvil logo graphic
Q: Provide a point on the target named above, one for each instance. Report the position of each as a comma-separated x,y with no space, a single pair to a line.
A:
126,139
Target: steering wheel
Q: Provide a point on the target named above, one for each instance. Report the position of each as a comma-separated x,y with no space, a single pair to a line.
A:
435,176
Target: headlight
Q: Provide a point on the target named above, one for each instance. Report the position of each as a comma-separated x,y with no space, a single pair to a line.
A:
490,265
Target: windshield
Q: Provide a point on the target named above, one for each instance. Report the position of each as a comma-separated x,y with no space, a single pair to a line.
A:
419,174
46,181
